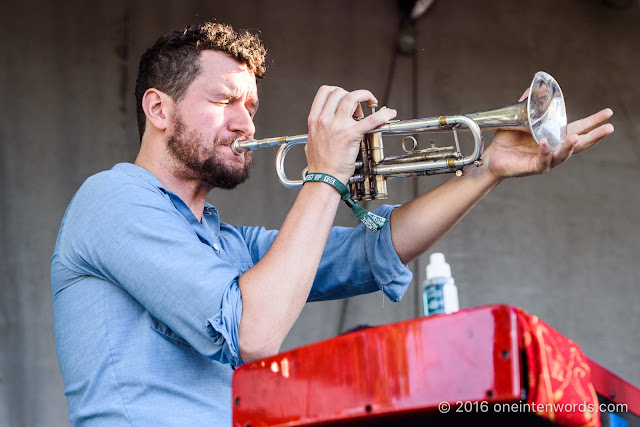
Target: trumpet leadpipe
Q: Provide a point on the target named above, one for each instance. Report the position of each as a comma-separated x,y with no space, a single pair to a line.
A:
240,146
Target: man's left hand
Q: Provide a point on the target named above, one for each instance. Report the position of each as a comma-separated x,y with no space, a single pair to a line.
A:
516,153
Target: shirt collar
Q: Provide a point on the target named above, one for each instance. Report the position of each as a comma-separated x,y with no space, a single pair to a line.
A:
209,209
135,170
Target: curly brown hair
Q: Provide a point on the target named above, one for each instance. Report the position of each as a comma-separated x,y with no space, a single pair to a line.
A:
173,62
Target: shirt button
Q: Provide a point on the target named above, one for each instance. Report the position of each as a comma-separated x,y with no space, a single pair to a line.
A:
216,247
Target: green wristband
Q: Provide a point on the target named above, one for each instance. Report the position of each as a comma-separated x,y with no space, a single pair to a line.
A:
372,221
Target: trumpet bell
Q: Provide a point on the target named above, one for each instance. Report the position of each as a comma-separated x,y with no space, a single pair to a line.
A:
542,113
546,110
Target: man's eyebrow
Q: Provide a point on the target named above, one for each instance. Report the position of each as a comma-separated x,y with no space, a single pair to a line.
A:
227,93
222,90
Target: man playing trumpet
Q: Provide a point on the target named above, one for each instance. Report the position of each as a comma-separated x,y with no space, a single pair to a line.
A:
156,301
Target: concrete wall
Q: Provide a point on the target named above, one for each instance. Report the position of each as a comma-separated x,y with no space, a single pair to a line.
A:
563,246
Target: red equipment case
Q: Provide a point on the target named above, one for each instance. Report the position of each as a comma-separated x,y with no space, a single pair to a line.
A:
494,364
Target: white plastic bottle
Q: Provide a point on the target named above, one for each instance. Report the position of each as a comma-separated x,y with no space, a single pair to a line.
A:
439,294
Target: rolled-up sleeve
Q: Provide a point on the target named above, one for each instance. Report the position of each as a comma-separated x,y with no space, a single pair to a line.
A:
389,273
132,236
224,326
358,261
355,261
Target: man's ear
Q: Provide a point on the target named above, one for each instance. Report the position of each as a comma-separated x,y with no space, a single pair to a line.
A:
157,106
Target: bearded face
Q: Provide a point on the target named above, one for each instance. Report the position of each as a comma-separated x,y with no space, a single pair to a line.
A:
201,159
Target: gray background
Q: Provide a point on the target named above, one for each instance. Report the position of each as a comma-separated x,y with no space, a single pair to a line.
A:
563,246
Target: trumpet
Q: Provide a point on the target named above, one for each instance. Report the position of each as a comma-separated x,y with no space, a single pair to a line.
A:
542,114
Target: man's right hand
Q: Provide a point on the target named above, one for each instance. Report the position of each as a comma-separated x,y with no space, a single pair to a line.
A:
334,136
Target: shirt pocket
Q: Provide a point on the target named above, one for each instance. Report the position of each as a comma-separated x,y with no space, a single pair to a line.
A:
166,332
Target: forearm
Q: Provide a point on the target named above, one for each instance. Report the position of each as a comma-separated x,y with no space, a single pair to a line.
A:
419,224
275,290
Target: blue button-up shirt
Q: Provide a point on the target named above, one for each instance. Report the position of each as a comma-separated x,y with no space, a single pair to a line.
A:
146,303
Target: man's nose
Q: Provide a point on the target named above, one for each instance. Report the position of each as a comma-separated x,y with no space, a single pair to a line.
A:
242,122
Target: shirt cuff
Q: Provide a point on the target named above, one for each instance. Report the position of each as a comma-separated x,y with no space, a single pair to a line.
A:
223,327
390,274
